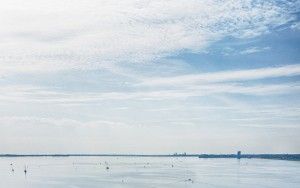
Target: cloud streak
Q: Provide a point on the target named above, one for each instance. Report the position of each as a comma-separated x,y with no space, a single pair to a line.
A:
44,95
225,76
252,50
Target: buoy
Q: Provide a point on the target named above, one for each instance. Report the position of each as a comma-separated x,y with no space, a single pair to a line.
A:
25,170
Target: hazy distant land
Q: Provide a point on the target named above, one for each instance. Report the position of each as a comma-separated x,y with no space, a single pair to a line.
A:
295,157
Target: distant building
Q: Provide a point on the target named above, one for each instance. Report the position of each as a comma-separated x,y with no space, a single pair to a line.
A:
238,155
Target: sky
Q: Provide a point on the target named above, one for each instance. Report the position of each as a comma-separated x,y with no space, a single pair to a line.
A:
149,76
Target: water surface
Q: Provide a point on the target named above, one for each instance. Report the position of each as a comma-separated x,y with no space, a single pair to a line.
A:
86,172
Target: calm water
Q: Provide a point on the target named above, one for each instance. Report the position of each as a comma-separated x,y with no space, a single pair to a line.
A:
88,172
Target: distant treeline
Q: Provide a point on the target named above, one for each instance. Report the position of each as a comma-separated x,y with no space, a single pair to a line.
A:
248,156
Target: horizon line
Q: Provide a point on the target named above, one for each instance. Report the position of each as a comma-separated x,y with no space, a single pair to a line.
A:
238,155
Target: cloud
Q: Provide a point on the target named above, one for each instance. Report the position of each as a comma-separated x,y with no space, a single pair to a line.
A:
296,26
40,36
225,76
228,51
74,108
163,88
254,50
44,95
40,121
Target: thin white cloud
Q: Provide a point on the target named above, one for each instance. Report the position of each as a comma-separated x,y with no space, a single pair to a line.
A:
40,121
40,95
252,50
225,76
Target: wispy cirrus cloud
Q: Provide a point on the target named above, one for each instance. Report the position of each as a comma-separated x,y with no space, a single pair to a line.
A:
252,50
58,122
225,76
43,36
179,87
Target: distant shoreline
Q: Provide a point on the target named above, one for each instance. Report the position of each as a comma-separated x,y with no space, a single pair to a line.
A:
295,157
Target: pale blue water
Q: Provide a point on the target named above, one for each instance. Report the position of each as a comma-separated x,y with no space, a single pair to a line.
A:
86,172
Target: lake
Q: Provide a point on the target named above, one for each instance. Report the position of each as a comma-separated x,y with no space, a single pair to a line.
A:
86,172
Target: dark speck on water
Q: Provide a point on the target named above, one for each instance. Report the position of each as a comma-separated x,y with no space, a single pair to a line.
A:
190,180
25,170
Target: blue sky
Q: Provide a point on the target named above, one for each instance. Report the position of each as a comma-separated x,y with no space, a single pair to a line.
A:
149,76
